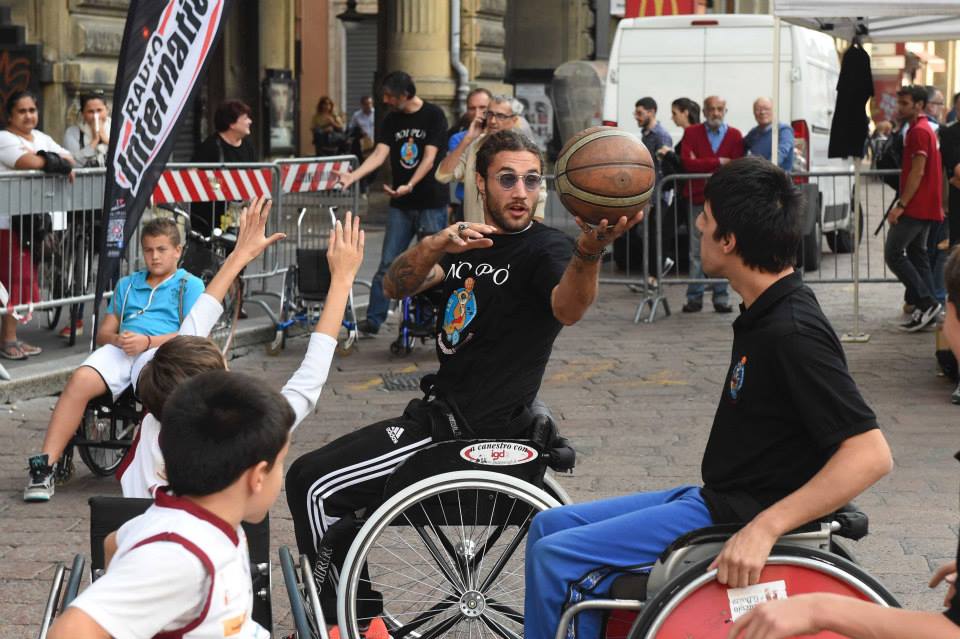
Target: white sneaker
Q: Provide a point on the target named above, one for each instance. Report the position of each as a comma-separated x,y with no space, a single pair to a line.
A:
921,319
41,485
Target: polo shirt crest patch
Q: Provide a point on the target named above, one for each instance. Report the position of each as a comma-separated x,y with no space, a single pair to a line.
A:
736,378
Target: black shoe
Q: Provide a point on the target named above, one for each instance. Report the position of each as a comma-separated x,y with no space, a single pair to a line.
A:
693,306
366,328
242,314
921,319
722,307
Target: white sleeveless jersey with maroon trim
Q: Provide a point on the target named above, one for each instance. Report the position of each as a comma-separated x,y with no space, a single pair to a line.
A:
227,589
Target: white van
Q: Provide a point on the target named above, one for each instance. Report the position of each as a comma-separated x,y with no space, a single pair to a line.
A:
695,56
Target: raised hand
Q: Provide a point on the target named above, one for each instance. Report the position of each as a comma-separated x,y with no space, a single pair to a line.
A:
594,238
252,239
345,248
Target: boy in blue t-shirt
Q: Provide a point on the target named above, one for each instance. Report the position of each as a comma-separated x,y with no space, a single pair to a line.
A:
146,310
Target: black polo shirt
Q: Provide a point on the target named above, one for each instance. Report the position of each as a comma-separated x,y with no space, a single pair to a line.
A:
787,404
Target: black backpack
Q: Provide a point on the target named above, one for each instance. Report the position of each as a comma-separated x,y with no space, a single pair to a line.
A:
890,156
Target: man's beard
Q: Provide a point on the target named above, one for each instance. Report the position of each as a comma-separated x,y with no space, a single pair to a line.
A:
715,124
503,220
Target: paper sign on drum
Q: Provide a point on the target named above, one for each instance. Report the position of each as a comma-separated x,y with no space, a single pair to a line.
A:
499,453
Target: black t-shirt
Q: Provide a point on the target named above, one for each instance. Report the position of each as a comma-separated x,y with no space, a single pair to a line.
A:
204,216
407,135
787,404
496,328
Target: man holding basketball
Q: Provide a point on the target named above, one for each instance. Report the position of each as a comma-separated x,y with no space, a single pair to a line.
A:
792,439
510,285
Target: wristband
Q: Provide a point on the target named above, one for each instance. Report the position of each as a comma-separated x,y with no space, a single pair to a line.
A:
587,257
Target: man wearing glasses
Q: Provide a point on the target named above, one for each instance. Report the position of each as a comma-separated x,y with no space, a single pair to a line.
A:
502,114
509,285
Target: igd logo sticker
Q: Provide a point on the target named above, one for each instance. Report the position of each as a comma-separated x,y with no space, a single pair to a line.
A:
499,453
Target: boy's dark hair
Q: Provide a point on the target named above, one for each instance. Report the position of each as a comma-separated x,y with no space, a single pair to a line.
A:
216,426
94,95
399,83
161,226
509,140
175,362
647,103
688,106
756,201
15,97
951,277
916,93
228,113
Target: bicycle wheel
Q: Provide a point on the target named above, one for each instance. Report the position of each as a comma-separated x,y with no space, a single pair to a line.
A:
223,331
443,556
103,439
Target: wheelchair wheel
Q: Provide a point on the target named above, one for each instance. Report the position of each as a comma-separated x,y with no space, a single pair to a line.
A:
103,439
301,591
694,604
288,310
444,555
223,331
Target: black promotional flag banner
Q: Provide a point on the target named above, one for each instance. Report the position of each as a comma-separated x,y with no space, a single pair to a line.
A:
165,50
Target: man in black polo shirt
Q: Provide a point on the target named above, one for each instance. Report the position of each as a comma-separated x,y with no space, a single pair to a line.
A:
814,613
792,439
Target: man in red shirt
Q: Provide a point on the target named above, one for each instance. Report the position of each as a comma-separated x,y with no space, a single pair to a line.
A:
920,207
704,149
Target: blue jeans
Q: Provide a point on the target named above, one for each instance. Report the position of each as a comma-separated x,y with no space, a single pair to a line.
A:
402,226
938,259
573,551
695,291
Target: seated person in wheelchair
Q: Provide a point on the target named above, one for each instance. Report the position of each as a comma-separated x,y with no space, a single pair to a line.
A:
145,311
186,356
183,566
811,614
510,286
792,439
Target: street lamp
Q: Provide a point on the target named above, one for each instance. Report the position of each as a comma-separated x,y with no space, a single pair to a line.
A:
351,17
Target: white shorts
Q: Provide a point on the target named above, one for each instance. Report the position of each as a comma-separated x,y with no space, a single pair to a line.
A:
117,369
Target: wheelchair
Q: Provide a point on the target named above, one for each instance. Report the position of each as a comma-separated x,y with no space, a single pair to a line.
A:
107,514
104,436
677,597
304,289
418,320
444,550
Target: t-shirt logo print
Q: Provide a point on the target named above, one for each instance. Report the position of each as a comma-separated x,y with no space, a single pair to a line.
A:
394,433
460,311
736,378
409,154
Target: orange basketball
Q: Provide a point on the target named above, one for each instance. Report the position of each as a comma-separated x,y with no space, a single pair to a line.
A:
605,173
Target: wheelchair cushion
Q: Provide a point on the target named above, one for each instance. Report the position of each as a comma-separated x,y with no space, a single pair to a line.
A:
313,274
630,586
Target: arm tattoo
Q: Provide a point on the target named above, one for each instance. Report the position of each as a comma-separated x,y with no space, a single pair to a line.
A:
409,273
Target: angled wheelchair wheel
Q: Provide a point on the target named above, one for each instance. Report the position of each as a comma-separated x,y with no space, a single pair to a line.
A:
443,556
104,436
694,604
301,591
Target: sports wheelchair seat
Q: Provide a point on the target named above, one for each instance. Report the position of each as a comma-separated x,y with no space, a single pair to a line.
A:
444,550
107,514
678,592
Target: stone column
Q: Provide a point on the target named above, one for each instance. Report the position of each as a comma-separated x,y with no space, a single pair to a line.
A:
418,42
482,40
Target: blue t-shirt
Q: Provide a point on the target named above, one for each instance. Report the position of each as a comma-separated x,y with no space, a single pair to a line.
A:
148,311
452,144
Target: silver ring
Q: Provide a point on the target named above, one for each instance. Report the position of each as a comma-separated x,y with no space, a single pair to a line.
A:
461,227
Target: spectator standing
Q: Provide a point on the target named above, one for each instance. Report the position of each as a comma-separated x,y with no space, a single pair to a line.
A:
759,139
413,137
477,102
360,131
503,114
329,132
938,239
934,109
23,147
952,115
706,147
88,140
950,151
230,144
917,209
654,137
684,113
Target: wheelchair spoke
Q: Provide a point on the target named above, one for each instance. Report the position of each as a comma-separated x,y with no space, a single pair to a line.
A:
498,628
442,627
419,571
438,557
506,555
428,615
506,611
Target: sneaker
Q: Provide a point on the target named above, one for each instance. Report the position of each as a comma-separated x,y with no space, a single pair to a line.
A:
65,331
722,307
367,329
40,487
921,319
955,398
693,306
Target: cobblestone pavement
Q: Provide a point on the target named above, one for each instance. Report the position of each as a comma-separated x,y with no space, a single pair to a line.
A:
637,401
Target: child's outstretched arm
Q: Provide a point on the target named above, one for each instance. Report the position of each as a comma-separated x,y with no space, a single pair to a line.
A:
252,241
344,255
